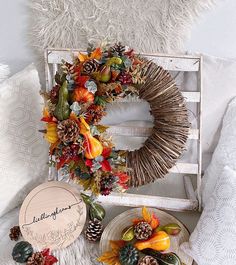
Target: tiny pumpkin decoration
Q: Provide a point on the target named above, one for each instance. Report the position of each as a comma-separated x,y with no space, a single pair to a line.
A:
51,133
83,95
22,251
160,241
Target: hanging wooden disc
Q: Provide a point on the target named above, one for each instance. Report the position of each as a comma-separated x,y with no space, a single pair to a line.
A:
52,216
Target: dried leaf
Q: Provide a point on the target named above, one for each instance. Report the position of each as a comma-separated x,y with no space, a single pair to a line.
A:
102,128
146,215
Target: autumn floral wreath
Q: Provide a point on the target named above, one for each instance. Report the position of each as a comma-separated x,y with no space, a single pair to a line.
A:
74,107
79,144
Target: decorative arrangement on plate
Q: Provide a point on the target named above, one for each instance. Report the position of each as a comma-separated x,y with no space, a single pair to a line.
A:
79,145
143,243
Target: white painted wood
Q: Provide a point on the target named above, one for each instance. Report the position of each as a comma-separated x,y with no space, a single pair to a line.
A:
176,64
171,63
199,176
185,168
141,131
189,189
138,200
192,96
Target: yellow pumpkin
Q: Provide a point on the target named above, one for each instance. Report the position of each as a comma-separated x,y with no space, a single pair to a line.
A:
160,241
51,133
83,95
93,147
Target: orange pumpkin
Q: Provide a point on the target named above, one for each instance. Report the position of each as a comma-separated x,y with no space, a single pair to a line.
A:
93,147
51,133
160,241
81,94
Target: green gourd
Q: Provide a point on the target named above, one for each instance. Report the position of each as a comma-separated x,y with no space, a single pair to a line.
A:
62,110
22,251
163,258
95,210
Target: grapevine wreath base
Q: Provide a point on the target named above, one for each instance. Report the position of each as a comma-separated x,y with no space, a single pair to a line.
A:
75,106
170,132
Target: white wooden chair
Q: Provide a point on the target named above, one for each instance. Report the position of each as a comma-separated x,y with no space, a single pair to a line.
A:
53,58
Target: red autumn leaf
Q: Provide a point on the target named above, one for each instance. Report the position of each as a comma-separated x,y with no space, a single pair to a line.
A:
136,221
49,259
123,178
61,163
81,80
105,165
89,163
106,152
45,252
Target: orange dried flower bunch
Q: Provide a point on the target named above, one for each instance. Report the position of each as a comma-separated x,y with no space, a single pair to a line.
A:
75,107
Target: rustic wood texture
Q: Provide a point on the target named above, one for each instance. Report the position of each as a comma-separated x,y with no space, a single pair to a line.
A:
52,215
170,132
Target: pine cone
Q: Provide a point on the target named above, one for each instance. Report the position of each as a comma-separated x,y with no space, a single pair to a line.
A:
142,231
36,259
95,113
90,66
54,94
148,260
68,131
15,233
118,48
125,78
94,230
106,185
128,255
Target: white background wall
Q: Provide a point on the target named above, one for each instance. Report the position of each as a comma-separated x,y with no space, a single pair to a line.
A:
214,33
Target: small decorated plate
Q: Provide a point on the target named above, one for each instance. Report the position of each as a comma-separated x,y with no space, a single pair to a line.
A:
116,227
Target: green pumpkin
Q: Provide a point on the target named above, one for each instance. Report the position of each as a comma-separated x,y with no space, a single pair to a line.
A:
22,251
62,110
163,258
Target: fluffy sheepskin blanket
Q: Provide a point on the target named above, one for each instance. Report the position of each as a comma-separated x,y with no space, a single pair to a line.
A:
145,25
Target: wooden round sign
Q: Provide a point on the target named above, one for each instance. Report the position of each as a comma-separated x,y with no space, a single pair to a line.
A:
52,216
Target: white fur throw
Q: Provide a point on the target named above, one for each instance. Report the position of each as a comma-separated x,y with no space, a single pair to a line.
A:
145,25
4,72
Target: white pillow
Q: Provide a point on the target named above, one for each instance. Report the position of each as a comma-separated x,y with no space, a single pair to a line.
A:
224,154
213,240
219,88
4,72
23,151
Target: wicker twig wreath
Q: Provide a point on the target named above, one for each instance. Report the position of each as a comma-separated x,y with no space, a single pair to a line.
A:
79,145
170,131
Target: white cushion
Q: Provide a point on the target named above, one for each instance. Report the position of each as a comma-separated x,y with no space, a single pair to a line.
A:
23,151
224,154
219,87
213,240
